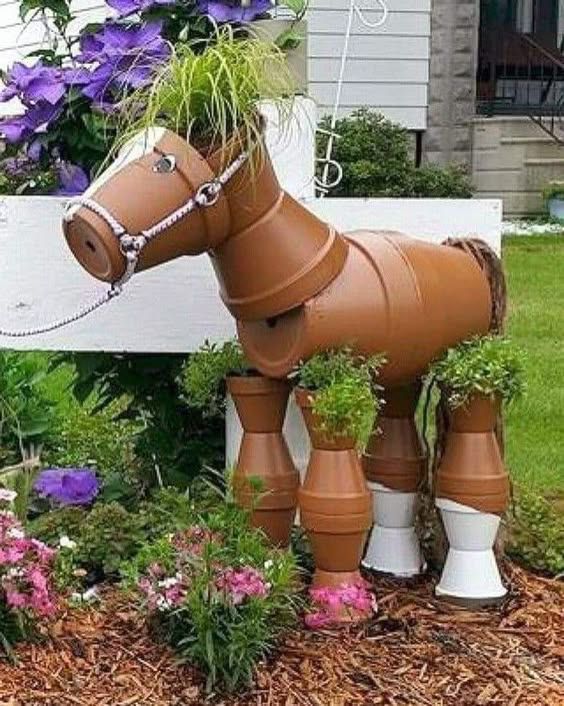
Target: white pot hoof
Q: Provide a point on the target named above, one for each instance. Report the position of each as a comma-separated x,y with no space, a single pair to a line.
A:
394,551
471,576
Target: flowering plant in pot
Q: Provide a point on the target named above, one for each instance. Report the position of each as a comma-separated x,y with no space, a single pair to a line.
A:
219,593
265,479
472,483
339,400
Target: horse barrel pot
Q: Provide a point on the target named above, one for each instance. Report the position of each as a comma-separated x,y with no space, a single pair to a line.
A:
396,294
264,457
472,491
394,464
335,505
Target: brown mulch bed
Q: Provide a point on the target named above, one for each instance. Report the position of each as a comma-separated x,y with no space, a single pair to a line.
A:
417,651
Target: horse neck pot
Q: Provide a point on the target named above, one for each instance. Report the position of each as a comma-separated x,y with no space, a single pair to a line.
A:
471,471
269,253
405,297
264,458
335,504
394,456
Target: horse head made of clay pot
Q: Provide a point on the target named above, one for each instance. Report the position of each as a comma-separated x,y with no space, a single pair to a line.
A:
154,174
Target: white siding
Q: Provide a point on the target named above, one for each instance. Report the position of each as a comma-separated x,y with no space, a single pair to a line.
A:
388,67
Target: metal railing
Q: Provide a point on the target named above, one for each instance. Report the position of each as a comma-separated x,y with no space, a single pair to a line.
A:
519,74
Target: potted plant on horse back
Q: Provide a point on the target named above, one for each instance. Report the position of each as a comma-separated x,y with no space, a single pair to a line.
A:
472,483
338,399
265,480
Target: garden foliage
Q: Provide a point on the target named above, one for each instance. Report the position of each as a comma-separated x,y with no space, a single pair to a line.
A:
376,156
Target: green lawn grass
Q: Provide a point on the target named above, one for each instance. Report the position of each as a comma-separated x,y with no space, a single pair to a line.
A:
535,424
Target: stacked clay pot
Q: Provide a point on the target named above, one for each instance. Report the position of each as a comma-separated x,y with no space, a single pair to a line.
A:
335,504
394,464
264,457
472,491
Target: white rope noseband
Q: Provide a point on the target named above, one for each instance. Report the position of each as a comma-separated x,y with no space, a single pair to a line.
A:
131,246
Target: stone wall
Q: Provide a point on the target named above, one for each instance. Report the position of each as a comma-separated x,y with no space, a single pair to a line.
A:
452,89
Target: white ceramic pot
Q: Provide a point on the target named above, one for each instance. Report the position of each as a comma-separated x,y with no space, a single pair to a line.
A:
393,547
470,571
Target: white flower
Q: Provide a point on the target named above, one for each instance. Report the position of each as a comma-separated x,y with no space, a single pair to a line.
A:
8,495
15,533
14,573
268,564
168,583
89,596
66,543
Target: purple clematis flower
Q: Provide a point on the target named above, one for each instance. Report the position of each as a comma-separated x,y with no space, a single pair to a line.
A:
67,486
227,11
130,7
18,128
123,57
34,83
73,180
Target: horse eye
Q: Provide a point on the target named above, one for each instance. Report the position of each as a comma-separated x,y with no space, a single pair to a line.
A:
165,165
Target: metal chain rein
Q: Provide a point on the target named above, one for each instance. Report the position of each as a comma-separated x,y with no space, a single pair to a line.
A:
131,246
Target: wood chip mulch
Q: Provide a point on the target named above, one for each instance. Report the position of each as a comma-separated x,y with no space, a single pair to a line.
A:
416,652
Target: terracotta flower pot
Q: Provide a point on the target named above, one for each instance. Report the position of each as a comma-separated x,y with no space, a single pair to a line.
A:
406,297
334,503
264,456
394,463
472,471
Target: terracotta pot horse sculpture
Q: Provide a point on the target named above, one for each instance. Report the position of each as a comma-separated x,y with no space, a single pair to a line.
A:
295,287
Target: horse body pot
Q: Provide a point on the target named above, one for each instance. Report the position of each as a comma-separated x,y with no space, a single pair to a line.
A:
294,285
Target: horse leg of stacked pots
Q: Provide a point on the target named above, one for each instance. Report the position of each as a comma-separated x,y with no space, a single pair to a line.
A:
394,463
261,405
335,504
472,491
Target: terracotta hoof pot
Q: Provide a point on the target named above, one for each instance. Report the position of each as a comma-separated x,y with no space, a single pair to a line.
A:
394,464
265,479
472,490
335,504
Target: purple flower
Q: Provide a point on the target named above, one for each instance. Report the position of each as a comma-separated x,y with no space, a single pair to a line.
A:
73,180
130,7
233,11
38,117
34,83
67,486
122,57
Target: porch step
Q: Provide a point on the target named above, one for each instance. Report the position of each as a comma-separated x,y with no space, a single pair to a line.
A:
513,159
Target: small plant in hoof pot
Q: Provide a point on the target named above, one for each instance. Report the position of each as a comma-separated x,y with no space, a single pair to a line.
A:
338,399
472,483
265,480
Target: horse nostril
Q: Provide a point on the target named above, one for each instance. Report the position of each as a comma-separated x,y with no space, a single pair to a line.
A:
91,246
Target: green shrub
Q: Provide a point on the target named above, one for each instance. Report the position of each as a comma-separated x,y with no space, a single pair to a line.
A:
345,401
203,375
374,154
219,594
488,365
376,158
433,181
536,533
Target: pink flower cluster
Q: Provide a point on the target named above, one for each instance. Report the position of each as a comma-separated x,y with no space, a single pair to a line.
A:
330,604
239,584
25,569
162,592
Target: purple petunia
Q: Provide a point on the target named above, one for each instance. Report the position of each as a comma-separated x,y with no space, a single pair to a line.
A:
34,84
234,11
15,129
125,8
67,486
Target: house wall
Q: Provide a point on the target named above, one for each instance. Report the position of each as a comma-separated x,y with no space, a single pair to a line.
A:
452,87
388,68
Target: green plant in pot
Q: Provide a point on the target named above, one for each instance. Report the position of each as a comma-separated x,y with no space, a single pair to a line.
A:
472,483
265,479
338,396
